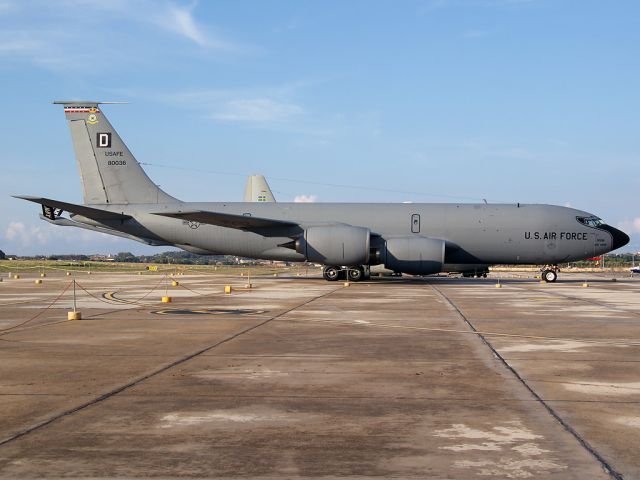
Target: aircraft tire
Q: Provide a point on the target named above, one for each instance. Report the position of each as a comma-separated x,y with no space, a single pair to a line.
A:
331,273
549,276
355,274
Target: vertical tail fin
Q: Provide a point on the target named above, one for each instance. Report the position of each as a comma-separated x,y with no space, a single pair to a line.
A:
109,172
257,190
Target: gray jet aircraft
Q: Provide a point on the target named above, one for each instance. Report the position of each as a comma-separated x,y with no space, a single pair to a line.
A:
415,238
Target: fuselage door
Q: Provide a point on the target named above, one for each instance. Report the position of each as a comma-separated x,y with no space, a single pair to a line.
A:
601,242
415,223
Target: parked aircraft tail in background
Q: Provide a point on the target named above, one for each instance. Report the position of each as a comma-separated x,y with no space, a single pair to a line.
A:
257,190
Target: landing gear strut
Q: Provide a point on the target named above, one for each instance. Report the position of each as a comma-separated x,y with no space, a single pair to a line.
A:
549,273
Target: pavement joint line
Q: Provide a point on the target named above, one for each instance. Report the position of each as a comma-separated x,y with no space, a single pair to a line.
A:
586,445
584,383
607,342
105,396
579,299
343,397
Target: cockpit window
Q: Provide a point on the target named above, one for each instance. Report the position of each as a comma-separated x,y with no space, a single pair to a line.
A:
594,222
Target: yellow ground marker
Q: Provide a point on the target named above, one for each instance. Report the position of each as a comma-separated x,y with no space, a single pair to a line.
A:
228,289
74,315
174,283
38,282
166,299
585,285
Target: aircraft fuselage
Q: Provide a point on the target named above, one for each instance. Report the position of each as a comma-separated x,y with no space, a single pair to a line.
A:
474,233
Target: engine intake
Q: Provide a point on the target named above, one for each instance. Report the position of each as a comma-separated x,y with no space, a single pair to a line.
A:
414,254
335,245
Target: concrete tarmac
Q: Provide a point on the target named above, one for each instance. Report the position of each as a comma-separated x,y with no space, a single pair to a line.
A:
298,377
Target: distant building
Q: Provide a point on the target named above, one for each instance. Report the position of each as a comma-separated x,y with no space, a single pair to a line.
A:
102,258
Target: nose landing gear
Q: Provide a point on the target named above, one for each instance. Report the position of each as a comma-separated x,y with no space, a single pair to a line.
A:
549,273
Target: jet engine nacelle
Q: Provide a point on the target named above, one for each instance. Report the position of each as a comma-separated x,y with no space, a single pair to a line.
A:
414,254
335,245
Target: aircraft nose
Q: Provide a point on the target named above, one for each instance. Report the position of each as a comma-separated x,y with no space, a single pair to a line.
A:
620,239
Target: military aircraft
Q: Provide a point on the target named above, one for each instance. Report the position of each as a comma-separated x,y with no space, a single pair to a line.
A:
413,238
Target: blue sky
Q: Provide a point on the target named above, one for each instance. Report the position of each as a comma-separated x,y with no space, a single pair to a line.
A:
533,101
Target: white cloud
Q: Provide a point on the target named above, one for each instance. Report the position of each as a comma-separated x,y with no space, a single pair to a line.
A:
6,6
630,226
20,233
24,236
305,198
435,5
167,15
259,106
180,20
256,110
14,230
475,34
18,43
45,39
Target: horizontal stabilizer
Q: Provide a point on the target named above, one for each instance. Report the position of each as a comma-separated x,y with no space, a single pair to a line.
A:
65,222
263,226
89,212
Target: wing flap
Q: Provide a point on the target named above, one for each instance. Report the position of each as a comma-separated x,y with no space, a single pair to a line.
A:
267,227
89,212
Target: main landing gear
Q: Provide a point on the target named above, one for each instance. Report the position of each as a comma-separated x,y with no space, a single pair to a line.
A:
353,274
549,273
331,274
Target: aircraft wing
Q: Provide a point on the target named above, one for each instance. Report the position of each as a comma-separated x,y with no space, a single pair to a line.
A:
267,227
49,206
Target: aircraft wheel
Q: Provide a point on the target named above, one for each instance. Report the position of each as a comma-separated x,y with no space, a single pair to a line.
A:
355,274
331,273
549,276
